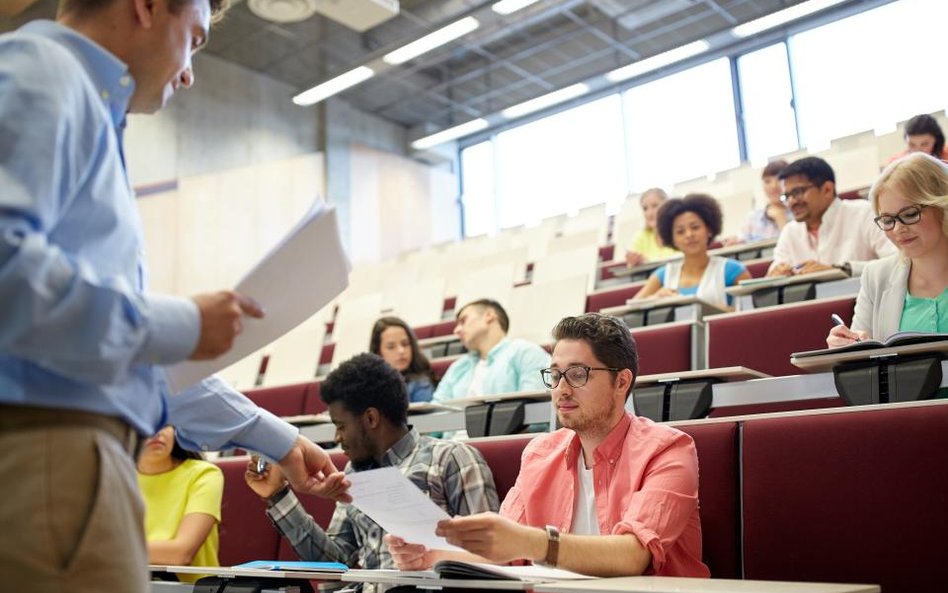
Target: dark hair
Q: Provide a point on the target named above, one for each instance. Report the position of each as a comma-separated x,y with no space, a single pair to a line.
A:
366,381
85,8
419,367
815,169
773,168
608,337
703,205
489,304
926,124
180,453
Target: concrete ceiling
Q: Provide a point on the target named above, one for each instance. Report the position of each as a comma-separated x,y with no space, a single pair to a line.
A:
549,45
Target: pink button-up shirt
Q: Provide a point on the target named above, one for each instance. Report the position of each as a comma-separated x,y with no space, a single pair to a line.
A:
646,480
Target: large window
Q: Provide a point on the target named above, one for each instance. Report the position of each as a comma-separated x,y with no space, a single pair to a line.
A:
767,97
872,69
478,195
868,71
561,163
681,126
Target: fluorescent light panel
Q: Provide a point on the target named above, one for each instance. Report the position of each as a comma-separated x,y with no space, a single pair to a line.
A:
506,7
655,62
431,41
475,125
546,100
334,86
781,17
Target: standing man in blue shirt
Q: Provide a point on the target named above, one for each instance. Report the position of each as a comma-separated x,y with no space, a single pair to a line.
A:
81,338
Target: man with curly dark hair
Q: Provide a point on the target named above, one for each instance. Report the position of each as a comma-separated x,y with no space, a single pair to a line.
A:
368,404
689,225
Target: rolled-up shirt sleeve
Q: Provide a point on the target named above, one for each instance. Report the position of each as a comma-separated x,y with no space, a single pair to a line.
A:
211,415
660,511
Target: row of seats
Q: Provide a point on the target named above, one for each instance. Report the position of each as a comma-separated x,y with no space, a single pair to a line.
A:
843,495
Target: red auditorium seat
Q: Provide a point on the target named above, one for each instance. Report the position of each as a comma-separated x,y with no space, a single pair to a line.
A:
665,348
285,400
758,268
245,531
503,454
763,339
440,365
614,297
859,496
313,404
718,494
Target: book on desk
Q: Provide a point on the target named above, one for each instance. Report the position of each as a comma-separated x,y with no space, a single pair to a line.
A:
471,571
893,341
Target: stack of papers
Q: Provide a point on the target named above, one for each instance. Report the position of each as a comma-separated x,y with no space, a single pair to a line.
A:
290,566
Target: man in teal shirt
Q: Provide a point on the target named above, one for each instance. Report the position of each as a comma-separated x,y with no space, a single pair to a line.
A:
494,363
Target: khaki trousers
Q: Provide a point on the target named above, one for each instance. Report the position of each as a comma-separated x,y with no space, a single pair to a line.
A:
71,518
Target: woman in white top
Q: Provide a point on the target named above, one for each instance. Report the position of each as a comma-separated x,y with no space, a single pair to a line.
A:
907,291
690,225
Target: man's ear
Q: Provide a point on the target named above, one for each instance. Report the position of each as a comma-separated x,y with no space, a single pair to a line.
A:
624,378
372,417
145,12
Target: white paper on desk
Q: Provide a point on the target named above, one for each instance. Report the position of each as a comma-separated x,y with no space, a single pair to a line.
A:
398,506
300,275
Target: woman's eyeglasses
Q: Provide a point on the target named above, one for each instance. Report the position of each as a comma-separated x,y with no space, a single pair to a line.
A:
576,375
908,215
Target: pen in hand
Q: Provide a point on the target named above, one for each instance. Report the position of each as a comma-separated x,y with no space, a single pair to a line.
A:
837,320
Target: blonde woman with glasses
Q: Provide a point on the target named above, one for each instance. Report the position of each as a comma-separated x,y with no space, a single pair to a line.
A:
907,291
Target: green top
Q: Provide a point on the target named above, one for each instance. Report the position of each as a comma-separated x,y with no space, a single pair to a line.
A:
925,315
647,243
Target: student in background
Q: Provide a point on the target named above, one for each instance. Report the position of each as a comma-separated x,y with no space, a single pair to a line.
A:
182,495
690,224
396,343
493,363
368,405
907,291
923,134
608,494
647,246
826,232
766,223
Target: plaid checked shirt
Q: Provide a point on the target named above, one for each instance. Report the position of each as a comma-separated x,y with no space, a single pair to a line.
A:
454,475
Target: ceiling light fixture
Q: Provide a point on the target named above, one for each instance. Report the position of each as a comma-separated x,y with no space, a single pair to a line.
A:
475,125
547,100
659,61
432,40
781,17
334,86
506,7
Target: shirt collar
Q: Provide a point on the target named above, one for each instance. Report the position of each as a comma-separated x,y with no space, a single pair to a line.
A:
610,448
829,216
108,74
401,449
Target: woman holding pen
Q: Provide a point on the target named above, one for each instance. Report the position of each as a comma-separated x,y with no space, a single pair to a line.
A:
907,291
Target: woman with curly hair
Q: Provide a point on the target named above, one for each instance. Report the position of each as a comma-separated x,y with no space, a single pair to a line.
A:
689,225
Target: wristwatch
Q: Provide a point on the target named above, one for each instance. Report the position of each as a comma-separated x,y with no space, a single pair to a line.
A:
553,545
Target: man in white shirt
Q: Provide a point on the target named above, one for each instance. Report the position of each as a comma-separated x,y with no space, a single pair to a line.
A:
826,231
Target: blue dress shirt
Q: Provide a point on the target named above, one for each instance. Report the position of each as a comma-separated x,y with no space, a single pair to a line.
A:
78,329
512,365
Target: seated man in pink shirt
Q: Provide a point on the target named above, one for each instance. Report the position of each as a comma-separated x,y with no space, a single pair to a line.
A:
609,494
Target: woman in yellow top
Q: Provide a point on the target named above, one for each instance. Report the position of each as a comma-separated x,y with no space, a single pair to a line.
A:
647,245
182,494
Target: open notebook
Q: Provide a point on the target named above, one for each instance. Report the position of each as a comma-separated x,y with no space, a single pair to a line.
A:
896,339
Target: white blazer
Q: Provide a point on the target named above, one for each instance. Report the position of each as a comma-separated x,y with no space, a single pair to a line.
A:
882,296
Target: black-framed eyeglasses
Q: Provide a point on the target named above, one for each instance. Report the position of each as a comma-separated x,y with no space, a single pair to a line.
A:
576,375
908,215
796,193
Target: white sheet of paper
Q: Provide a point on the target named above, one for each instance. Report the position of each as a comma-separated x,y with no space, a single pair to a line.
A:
394,502
299,276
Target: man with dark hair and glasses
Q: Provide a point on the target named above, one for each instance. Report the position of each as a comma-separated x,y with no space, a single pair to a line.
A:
826,232
609,494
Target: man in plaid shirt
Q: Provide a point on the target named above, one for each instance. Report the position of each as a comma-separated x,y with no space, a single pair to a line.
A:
368,404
